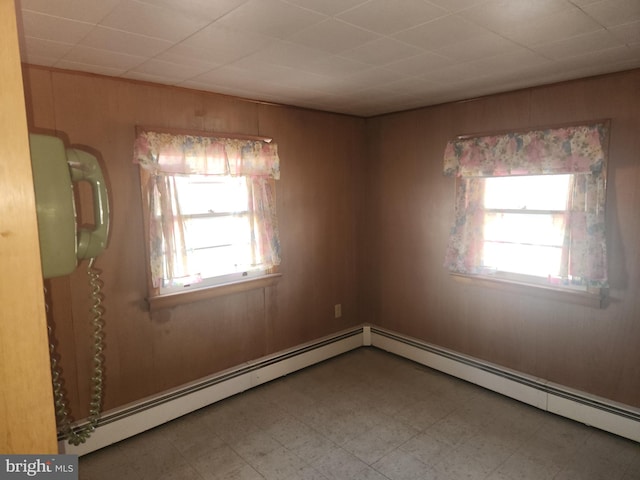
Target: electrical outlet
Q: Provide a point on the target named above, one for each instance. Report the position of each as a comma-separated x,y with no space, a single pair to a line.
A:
337,310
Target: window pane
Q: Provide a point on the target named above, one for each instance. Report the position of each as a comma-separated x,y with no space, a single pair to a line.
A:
530,242
211,194
539,229
526,259
537,192
217,230
213,262
214,231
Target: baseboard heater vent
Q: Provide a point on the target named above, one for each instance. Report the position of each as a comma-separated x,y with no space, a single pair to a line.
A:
598,412
130,420
127,421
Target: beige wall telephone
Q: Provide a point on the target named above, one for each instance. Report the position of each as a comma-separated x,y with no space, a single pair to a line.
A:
63,244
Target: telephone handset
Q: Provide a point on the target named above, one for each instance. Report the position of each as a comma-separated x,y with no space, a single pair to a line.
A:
55,167
62,244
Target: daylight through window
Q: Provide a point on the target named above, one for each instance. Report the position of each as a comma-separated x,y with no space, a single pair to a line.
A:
530,206
211,209
525,221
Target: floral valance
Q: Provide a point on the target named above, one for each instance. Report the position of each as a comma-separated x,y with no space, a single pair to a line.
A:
574,149
189,154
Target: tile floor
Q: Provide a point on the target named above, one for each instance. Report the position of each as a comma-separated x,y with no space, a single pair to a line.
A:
368,415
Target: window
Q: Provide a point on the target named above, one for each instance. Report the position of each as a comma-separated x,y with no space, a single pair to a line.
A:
210,204
215,214
523,231
530,207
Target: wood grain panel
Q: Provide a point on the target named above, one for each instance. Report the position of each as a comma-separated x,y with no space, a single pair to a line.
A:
317,193
26,402
591,349
364,216
147,353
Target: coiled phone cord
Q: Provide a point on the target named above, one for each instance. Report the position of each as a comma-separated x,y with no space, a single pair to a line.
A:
79,435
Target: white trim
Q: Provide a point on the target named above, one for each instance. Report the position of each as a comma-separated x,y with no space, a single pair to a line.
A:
598,412
119,424
127,421
366,336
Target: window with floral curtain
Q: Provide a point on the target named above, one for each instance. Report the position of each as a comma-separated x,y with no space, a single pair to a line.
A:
532,204
211,208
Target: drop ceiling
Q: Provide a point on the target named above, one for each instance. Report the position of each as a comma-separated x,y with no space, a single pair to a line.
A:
349,56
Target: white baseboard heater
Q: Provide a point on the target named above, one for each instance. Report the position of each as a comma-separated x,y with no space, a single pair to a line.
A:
130,420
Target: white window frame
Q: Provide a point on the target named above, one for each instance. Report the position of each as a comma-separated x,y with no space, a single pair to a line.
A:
239,274
518,275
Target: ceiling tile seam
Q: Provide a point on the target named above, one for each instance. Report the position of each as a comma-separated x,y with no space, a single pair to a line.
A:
79,42
503,36
348,9
92,24
174,44
392,34
604,27
287,39
590,16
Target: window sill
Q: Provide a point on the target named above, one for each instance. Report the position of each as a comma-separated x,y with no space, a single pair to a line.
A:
547,292
160,302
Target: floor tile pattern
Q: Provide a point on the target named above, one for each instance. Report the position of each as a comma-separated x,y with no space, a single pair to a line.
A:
368,415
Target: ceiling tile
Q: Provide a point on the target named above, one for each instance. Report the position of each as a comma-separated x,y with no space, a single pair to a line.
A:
333,36
125,42
102,58
480,46
501,15
518,61
408,87
364,95
177,56
210,10
44,61
281,52
152,21
305,52
222,45
454,74
441,32
56,29
456,5
559,26
628,33
39,48
381,51
89,67
298,79
582,3
385,17
270,18
579,45
150,77
90,12
614,12
370,78
261,71
419,64
177,72
221,88
227,75
335,66
328,7
596,63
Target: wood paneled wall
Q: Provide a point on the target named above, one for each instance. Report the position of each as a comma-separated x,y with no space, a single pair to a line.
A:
364,216
147,353
405,288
